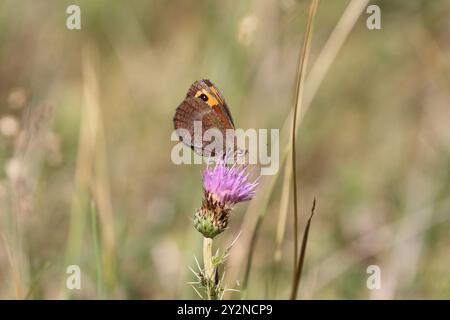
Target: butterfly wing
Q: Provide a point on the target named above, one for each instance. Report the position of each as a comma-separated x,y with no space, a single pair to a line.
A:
186,122
203,103
222,105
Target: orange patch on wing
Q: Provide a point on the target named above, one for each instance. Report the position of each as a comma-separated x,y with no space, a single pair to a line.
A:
212,101
217,94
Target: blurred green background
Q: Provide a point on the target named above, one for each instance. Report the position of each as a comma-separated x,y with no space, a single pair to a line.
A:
85,124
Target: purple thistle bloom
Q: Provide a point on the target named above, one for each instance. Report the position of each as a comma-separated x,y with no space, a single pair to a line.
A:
229,185
223,187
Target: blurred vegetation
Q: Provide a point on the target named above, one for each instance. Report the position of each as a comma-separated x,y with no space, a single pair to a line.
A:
85,124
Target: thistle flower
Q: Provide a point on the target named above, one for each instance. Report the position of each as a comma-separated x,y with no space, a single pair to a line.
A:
223,187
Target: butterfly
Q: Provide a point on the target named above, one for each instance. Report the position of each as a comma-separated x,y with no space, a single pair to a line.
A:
205,103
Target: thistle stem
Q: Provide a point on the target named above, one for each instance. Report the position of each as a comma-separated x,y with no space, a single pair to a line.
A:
207,257
207,261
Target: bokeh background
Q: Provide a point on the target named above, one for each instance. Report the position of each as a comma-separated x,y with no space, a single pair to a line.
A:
85,121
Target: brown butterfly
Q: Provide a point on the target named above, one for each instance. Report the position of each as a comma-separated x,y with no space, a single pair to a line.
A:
203,103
